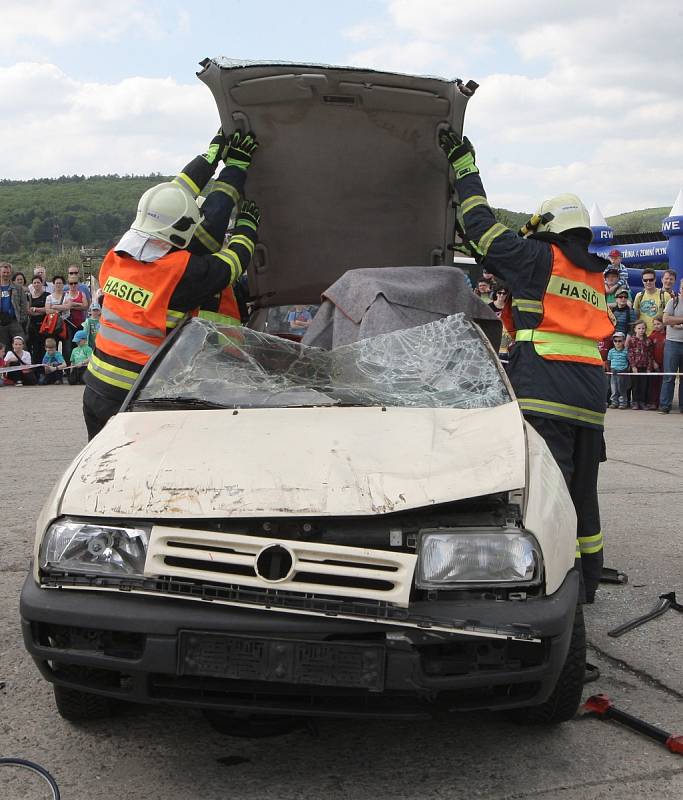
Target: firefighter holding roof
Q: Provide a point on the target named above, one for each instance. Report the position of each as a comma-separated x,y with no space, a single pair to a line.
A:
556,313
170,262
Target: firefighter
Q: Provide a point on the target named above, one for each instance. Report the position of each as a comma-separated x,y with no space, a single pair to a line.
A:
556,313
171,261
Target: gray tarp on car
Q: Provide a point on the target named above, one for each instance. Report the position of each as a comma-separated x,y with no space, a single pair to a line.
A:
349,173
370,302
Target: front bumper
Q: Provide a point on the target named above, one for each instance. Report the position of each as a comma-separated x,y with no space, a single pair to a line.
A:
127,646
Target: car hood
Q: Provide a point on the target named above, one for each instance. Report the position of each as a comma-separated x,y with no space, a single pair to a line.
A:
296,461
348,174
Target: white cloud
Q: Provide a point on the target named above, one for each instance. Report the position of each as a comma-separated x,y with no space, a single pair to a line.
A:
586,93
58,22
58,125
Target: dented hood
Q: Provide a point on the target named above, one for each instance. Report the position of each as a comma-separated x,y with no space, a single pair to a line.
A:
305,461
348,174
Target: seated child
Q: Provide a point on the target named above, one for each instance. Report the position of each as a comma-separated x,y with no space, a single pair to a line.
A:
80,355
53,363
18,356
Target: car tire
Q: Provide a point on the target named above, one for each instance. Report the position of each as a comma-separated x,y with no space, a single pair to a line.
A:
77,706
564,702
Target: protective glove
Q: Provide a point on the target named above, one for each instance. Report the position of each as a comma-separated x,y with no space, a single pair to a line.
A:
249,216
459,152
239,149
215,149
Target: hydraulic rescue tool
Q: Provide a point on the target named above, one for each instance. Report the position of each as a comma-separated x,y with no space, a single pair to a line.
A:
665,602
602,706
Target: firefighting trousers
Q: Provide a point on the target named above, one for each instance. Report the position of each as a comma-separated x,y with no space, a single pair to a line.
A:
578,452
97,411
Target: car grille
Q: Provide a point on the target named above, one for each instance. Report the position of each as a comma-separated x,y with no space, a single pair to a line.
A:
295,566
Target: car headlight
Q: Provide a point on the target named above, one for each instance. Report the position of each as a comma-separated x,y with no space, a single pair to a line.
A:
72,546
484,555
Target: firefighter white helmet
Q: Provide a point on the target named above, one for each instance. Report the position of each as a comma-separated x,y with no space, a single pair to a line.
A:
168,212
564,213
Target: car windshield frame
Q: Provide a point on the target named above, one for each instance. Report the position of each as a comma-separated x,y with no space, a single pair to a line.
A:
448,363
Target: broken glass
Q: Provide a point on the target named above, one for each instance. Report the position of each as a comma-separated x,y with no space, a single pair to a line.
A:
443,364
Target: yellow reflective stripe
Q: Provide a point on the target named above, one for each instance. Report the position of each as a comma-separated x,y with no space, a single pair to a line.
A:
126,373
226,188
559,344
576,290
473,202
207,239
561,410
222,319
245,241
187,183
232,260
578,550
523,304
110,374
173,318
492,233
591,544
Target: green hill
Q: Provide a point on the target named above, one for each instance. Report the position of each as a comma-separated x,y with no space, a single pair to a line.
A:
49,220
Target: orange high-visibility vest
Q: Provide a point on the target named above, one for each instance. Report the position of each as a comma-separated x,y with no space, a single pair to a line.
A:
135,310
574,314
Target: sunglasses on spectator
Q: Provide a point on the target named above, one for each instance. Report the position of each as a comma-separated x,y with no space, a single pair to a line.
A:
73,273
648,280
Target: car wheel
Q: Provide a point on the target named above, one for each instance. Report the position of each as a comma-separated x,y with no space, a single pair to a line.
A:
77,706
564,702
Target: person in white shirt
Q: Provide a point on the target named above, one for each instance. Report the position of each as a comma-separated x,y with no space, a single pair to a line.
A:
18,356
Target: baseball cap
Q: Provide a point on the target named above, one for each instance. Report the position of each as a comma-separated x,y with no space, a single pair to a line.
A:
79,336
618,335
613,270
614,253
95,307
622,293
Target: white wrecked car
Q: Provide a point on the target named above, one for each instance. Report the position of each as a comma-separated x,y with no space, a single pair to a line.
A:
268,528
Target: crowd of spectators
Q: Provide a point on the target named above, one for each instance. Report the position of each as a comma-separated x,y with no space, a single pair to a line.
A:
646,341
47,328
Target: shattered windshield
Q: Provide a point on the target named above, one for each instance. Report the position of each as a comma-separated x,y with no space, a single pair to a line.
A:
444,364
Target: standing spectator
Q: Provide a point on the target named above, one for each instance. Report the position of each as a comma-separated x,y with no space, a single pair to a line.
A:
59,301
639,360
625,317
78,304
92,324
53,363
74,276
16,357
483,290
80,355
13,306
673,353
617,360
36,314
40,270
651,302
497,305
668,281
615,261
298,319
658,338
613,285
20,279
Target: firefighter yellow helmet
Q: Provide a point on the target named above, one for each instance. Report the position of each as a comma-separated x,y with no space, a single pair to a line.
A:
564,213
168,212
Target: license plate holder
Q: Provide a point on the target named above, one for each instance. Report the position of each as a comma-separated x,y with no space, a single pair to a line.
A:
294,661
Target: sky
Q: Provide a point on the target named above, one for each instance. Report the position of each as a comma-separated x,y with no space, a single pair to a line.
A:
575,96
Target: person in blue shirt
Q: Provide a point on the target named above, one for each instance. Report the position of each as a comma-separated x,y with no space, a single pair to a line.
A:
53,363
625,317
617,359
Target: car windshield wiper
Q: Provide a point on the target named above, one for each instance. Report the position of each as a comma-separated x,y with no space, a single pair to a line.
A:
190,402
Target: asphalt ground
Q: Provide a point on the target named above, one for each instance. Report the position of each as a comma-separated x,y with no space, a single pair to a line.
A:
155,753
